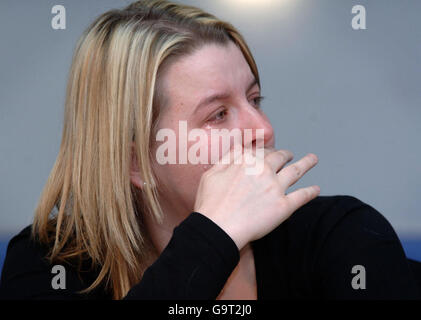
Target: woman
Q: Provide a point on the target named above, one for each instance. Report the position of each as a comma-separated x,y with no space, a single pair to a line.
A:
125,224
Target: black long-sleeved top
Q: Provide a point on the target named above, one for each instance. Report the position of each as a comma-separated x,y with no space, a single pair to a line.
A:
309,256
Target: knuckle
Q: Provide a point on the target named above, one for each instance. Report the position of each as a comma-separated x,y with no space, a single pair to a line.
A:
283,155
287,154
274,186
296,171
267,152
266,170
266,159
283,204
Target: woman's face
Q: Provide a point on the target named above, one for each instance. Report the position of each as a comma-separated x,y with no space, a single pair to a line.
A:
213,69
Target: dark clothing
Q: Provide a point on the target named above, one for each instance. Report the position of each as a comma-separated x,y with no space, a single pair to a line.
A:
311,255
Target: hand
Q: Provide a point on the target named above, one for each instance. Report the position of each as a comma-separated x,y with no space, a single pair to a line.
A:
247,207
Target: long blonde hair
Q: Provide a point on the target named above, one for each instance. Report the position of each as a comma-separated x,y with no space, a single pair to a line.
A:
89,208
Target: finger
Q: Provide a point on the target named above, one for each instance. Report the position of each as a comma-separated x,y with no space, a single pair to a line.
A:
300,197
277,159
292,173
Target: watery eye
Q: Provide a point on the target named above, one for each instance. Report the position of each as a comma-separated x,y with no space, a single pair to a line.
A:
220,115
258,101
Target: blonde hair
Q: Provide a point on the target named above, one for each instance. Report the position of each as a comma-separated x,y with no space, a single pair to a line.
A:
89,209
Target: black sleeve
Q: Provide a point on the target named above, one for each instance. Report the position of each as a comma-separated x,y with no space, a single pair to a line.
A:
362,258
27,274
195,265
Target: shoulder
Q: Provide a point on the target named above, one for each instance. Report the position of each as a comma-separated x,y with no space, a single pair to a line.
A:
24,257
326,212
314,221
318,245
28,274
23,252
22,238
330,224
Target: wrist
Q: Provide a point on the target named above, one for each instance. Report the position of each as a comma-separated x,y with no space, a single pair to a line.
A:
231,229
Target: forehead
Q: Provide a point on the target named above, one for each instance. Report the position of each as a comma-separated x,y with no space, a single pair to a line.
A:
211,69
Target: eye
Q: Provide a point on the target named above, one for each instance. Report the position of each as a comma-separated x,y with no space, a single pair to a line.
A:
219,116
257,101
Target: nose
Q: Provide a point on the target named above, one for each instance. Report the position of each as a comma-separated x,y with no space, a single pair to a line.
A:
252,118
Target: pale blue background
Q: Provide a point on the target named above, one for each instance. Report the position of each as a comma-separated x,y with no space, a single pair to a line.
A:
351,97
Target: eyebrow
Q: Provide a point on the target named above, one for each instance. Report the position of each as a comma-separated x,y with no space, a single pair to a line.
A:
220,96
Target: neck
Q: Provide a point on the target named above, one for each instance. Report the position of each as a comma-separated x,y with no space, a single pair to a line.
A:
161,234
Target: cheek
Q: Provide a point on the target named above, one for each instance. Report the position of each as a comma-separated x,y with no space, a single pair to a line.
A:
218,143
199,154
179,182
187,176
184,180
